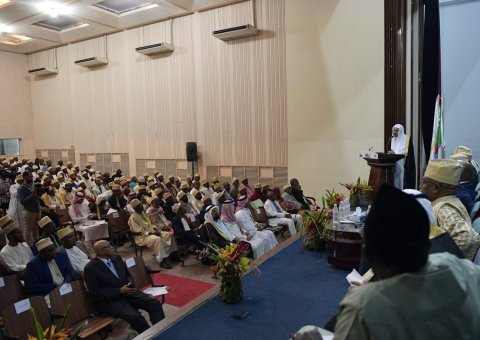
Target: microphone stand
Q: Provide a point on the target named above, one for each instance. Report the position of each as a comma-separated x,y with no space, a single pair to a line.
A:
388,141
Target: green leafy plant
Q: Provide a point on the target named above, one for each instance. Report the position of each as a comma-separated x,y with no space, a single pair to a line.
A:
59,332
358,190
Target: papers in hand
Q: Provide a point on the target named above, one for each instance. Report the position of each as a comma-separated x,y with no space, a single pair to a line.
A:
354,276
156,291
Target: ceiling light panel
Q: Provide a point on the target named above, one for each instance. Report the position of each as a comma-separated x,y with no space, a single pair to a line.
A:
60,23
122,7
13,39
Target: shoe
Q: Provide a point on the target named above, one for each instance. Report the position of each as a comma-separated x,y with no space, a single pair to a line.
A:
165,264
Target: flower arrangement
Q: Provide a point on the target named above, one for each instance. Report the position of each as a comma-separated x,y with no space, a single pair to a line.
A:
315,230
53,332
231,263
358,191
331,198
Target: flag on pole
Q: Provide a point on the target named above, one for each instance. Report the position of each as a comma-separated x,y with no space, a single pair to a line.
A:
437,148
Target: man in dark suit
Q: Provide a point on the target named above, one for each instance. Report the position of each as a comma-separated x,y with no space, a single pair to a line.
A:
113,291
48,269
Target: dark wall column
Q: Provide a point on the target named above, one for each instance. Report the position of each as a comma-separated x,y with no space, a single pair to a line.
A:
395,65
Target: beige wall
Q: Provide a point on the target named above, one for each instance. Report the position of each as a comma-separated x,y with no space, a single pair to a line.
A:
15,104
228,96
335,63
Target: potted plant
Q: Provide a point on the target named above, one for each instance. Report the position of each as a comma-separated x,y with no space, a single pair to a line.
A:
315,230
359,193
231,264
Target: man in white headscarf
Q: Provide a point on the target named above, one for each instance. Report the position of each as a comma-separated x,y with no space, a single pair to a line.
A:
399,146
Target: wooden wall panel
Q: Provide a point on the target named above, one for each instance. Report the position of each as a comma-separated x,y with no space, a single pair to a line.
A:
230,97
242,88
395,64
15,108
161,91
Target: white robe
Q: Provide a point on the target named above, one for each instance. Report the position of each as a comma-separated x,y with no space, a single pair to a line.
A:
247,224
258,246
399,145
16,258
15,210
77,258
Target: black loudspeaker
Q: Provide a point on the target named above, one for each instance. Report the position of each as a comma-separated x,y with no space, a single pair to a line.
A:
192,152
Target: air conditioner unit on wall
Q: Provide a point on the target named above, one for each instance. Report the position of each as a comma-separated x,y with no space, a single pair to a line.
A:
43,71
159,48
237,32
92,62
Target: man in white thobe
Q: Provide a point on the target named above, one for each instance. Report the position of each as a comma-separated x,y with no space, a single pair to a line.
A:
15,209
246,223
276,215
76,251
399,146
16,254
83,220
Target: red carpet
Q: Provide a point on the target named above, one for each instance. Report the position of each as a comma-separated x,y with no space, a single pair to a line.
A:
182,290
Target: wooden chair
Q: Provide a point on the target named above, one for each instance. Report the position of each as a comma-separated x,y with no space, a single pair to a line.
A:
118,225
142,275
260,216
11,292
62,215
81,310
3,270
20,325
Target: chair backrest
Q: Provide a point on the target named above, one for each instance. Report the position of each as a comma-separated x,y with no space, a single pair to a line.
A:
117,222
62,214
3,270
136,267
18,320
259,214
11,291
75,295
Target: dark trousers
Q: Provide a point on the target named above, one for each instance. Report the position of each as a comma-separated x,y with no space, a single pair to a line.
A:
4,206
131,314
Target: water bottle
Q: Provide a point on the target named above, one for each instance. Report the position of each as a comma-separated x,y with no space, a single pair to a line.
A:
341,210
335,216
347,208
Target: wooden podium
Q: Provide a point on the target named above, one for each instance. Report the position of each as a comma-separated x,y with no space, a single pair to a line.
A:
381,170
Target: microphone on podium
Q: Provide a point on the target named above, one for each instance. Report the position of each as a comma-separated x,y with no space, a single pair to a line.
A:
388,141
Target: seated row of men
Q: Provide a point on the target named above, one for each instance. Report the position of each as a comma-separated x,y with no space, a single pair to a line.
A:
85,205
109,284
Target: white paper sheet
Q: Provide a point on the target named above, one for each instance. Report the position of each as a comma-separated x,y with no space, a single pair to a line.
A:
156,291
65,289
130,262
22,306
354,276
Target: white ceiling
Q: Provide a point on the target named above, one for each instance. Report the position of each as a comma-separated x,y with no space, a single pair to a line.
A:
17,17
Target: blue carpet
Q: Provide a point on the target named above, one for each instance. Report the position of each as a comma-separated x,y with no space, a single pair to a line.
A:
295,288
